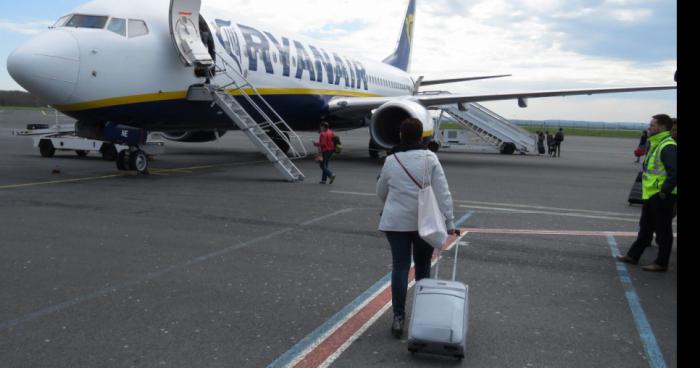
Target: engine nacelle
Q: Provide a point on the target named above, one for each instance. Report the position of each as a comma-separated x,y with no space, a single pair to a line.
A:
387,120
193,137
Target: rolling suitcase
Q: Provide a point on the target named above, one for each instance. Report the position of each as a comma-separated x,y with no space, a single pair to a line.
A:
635,196
440,316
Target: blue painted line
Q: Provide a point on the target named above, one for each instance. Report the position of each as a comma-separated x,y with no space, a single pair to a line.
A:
293,353
646,334
150,276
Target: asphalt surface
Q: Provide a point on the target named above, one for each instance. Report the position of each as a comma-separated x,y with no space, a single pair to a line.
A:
214,261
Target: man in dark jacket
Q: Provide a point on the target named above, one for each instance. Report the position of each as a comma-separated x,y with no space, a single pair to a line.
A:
659,194
558,138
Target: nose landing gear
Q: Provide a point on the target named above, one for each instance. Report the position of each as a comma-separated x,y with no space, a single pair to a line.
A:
133,159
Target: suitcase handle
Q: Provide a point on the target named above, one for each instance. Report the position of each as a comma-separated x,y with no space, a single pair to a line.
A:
454,268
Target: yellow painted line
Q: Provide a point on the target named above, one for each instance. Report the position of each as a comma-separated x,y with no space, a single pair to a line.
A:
181,95
125,100
15,186
159,172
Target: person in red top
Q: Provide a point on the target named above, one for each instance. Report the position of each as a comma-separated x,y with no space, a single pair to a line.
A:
326,148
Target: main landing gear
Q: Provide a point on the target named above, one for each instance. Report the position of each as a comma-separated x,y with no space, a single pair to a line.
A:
133,159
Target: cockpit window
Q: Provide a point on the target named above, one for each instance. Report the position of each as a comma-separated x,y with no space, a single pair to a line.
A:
118,26
62,21
137,28
87,21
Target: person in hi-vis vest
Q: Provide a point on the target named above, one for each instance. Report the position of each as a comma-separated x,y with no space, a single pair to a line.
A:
659,187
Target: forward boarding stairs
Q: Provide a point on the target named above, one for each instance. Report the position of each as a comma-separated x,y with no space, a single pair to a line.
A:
258,120
492,128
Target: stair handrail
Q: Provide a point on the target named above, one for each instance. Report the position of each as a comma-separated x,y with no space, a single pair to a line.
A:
292,135
507,123
503,126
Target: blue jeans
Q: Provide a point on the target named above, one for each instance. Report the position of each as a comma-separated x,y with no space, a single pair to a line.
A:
327,173
401,259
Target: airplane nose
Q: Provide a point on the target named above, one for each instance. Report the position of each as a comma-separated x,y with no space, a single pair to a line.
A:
47,65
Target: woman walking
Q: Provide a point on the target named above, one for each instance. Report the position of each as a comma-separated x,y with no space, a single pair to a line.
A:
398,186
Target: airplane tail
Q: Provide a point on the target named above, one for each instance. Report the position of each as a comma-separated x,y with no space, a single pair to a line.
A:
401,58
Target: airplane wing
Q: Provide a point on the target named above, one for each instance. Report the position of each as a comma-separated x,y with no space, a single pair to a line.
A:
363,105
457,80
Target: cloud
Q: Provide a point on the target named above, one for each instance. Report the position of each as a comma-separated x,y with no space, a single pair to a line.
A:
545,44
631,15
25,28
532,39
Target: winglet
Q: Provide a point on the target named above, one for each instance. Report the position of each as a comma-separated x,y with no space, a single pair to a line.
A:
401,58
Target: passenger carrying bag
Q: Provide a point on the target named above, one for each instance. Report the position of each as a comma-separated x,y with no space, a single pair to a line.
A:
431,222
338,145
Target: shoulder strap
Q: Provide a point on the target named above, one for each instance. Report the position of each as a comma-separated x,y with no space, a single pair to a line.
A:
407,173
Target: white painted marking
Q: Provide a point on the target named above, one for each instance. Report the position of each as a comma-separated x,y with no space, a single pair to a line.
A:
562,214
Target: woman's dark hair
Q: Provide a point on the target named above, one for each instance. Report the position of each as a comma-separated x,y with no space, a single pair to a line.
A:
325,124
411,131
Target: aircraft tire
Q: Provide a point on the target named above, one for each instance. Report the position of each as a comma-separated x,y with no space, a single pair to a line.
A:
434,146
280,142
138,161
109,152
508,148
46,148
122,161
373,149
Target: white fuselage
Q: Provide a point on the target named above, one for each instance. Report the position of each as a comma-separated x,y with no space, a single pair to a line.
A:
98,74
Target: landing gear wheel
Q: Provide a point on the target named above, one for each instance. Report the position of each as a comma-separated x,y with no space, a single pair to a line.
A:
122,160
138,161
109,152
373,149
508,148
81,153
434,146
281,143
46,148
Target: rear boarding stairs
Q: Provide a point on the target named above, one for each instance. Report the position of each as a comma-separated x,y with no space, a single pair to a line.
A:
491,128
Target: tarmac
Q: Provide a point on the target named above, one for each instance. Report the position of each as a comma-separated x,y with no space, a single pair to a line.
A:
214,261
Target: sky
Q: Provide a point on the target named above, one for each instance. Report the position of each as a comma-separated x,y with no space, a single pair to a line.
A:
544,44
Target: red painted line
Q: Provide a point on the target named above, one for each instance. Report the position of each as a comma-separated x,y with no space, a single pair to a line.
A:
330,345
185,13
552,232
324,350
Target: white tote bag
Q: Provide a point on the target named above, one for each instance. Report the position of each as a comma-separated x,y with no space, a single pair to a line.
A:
431,222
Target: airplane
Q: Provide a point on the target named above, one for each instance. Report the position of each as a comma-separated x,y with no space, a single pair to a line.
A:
124,68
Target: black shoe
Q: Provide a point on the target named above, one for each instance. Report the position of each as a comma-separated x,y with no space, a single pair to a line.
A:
322,182
332,179
627,259
655,268
397,327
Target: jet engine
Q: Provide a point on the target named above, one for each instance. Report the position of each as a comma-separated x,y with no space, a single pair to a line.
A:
387,119
193,137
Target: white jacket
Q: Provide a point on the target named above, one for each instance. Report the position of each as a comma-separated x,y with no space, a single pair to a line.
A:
400,194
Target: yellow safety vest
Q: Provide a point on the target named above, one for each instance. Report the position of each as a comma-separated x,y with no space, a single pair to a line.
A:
654,170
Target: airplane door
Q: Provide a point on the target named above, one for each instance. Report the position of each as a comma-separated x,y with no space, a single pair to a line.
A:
184,28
